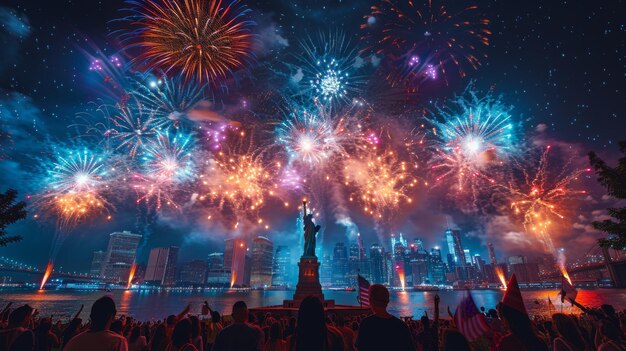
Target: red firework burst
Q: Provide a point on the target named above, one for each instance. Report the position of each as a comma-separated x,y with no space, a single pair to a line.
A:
422,40
201,39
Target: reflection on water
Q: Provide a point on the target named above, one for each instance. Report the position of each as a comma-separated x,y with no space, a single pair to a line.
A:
158,305
403,303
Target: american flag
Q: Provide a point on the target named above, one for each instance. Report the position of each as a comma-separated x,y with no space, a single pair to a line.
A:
364,291
469,320
567,290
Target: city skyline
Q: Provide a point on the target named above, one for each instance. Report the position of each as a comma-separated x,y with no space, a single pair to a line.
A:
388,245
261,264
443,243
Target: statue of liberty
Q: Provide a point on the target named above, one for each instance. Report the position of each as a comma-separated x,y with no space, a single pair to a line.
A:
310,231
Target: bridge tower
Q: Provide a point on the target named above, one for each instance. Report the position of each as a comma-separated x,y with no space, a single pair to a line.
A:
610,267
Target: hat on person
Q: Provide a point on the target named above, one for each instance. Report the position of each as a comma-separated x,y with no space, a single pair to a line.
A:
379,295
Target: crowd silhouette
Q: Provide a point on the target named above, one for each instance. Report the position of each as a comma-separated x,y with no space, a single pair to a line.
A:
510,329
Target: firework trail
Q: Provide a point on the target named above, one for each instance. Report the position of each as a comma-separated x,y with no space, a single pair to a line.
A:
95,124
132,127
539,198
202,40
501,277
47,273
169,101
561,262
112,73
131,275
341,211
470,141
422,40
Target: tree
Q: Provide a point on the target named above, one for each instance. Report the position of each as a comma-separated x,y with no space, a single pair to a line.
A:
10,212
614,180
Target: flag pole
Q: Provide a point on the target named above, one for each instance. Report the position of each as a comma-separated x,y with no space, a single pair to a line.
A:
358,286
549,307
562,297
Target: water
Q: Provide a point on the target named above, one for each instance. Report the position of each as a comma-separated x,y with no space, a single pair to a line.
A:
146,305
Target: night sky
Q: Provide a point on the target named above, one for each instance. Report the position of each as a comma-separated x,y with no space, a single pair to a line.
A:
560,64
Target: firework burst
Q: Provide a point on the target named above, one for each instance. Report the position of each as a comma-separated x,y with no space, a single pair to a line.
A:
203,40
238,181
79,172
539,198
312,137
382,182
76,184
328,69
421,40
474,136
168,165
132,127
168,100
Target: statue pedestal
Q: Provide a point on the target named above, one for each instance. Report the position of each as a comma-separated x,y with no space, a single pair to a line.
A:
308,284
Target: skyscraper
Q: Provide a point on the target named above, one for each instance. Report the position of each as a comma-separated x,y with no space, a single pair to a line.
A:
217,275
295,254
480,264
458,247
193,273
326,271
97,262
450,246
215,260
420,263
235,261
399,250
359,240
389,267
354,264
468,257
437,267
400,264
340,265
161,269
419,245
377,264
262,261
120,255
281,266
400,240
455,247
492,254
